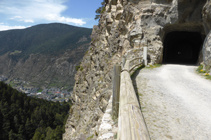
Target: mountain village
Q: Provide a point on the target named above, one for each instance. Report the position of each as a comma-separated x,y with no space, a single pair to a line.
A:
51,94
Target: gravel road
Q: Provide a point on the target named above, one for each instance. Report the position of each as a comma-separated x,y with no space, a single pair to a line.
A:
175,101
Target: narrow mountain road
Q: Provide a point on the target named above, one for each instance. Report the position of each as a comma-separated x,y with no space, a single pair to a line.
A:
175,101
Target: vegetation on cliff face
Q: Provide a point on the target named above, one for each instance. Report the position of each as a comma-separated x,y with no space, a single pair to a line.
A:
43,55
25,118
100,10
93,86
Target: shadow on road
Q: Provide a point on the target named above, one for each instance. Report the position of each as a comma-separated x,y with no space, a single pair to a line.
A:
133,77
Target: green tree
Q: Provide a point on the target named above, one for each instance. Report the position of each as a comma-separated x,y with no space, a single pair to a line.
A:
1,122
21,130
57,135
6,119
58,120
28,129
100,10
14,97
49,133
13,109
26,118
37,136
12,135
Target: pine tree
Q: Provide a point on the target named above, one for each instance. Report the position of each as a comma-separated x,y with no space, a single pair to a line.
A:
11,135
100,10
37,136
49,133
20,116
1,122
28,129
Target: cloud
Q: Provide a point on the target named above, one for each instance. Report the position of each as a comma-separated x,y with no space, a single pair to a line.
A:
52,17
37,10
19,18
29,20
16,17
6,27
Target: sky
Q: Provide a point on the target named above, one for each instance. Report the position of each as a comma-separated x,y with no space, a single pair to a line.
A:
20,14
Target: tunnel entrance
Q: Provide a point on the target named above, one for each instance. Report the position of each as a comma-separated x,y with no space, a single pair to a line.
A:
182,47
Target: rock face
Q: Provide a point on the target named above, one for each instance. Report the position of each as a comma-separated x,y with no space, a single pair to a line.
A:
207,42
125,27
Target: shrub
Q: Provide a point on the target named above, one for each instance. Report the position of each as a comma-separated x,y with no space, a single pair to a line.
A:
100,10
200,69
77,67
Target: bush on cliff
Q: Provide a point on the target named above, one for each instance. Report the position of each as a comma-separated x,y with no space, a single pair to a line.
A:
100,10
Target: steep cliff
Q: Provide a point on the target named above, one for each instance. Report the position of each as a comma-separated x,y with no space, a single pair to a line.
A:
125,27
207,43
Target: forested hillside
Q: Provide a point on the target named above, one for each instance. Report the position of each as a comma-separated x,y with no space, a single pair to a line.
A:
45,39
25,118
43,55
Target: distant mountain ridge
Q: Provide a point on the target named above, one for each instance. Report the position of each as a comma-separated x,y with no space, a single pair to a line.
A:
42,53
44,38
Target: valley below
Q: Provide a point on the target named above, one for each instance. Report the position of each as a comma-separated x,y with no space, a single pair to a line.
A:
43,56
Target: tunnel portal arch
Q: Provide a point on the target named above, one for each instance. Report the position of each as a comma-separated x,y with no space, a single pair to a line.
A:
182,47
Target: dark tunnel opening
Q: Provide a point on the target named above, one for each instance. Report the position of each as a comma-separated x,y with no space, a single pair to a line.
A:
181,47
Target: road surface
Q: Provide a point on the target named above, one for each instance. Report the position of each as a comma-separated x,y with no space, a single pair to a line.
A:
175,101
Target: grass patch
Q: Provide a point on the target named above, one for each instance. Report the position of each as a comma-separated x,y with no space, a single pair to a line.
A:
203,72
115,136
12,84
200,69
140,94
114,118
208,77
40,90
143,109
154,66
139,68
15,52
142,66
89,138
77,68
81,68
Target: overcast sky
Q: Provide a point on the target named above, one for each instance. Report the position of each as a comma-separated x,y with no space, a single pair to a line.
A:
18,14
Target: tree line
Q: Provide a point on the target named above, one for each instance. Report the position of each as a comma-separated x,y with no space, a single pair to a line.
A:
28,118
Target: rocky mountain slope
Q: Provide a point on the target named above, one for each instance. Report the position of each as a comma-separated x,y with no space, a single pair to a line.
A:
125,27
43,55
